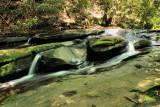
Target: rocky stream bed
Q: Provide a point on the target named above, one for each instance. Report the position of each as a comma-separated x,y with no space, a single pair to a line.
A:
90,68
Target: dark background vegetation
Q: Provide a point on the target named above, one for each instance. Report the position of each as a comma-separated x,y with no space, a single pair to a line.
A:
36,15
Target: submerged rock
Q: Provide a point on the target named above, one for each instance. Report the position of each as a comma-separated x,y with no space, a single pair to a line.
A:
105,46
62,58
143,43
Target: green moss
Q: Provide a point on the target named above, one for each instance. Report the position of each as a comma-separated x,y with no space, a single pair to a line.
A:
16,66
158,37
106,40
147,84
145,98
101,42
4,70
13,54
106,43
142,44
20,59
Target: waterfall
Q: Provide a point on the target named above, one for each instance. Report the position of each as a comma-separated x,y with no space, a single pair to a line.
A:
117,59
28,41
31,77
131,48
34,64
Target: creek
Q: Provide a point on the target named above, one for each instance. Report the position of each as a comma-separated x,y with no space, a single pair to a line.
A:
33,78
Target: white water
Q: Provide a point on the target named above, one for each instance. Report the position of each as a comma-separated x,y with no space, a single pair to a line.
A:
113,32
117,59
88,69
34,65
28,42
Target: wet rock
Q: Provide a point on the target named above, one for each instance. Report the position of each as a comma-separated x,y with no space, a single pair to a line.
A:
144,36
158,37
12,41
148,84
64,35
62,58
105,46
146,98
15,54
21,65
18,60
142,44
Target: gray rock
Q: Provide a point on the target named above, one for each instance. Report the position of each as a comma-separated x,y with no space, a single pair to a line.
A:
62,58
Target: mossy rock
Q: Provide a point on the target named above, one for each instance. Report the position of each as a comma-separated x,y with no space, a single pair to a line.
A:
106,45
142,44
148,84
65,35
62,58
14,54
158,37
146,99
13,60
20,65
148,92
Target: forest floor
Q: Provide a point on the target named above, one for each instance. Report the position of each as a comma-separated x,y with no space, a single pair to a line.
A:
105,89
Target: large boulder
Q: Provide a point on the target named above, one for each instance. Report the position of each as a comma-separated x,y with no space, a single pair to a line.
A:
15,69
105,46
62,58
18,60
143,43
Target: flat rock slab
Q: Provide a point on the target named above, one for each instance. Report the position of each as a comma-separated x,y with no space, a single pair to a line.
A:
64,35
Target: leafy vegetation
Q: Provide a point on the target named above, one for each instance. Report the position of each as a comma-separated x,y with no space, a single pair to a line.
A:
26,15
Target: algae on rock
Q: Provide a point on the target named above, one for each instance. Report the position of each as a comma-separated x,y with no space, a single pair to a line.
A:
106,46
142,44
16,60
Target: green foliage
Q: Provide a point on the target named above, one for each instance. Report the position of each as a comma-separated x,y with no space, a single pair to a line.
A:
83,3
156,22
45,8
123,13
130,13
24,25
49,7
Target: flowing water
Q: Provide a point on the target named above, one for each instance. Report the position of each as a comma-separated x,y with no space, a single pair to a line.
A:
117,59
34,65
28,41
131,36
